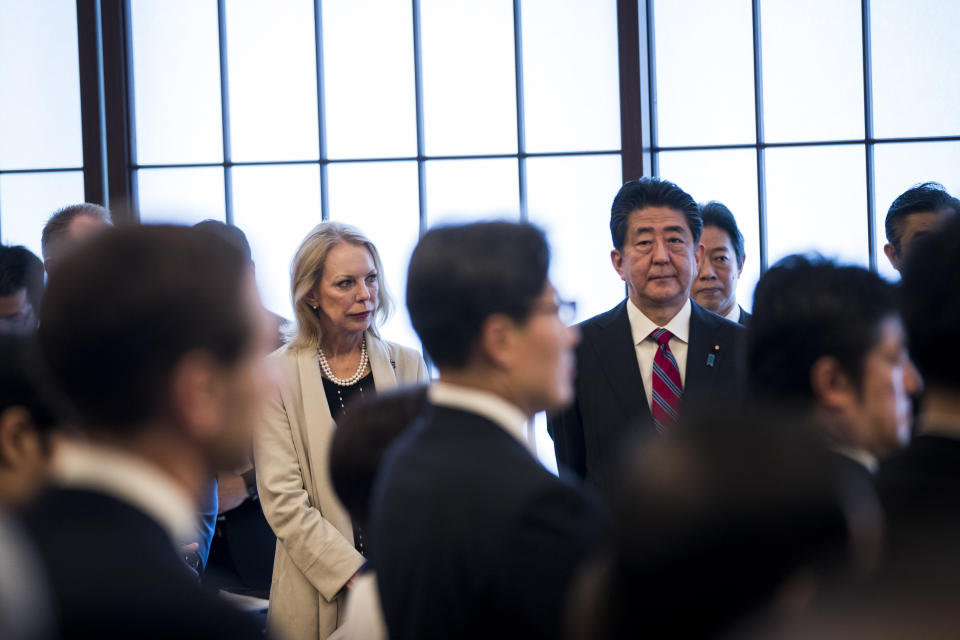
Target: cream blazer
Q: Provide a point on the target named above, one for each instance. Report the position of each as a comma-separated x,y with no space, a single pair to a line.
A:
315,555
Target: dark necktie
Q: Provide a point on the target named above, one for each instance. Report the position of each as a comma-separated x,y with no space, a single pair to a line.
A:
667,387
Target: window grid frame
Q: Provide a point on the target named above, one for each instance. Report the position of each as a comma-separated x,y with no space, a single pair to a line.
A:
421,157
869,141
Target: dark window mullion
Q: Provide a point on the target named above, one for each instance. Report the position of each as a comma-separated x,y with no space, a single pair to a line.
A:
225,112
760,149
418,98
868,131
321,109
521,130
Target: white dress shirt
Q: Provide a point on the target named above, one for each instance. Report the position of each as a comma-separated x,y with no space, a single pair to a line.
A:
641,327
860,456
130,479
492,407
734,315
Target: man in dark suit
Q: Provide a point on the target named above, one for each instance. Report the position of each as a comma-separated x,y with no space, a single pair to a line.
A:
656,351
827,344
920,486
155,337
472,537
715,287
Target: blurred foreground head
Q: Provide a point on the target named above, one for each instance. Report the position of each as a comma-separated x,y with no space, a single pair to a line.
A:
828,341
720,521
362,438
156,334
26,418
480,299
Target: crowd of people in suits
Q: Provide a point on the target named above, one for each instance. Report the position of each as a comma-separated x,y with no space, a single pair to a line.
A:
789,472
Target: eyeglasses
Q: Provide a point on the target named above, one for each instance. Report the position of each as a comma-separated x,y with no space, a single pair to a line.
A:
566,310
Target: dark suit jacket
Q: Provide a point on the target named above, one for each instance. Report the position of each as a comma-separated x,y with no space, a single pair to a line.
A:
919,488
744,317
471,536
610,401
114,573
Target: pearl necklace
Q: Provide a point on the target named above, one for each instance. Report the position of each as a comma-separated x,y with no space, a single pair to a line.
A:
344,382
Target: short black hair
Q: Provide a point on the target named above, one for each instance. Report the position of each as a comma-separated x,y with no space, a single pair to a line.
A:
361,438
21,269
231,233
22,383
807,307
459,275
716,214
59,222
930,293
128,306
651,192
928,196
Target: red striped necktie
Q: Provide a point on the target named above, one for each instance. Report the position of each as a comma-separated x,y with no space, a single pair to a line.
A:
667,387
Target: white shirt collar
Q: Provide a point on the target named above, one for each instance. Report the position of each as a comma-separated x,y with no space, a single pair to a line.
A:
131,479
734,315
483,403
641,326
861,456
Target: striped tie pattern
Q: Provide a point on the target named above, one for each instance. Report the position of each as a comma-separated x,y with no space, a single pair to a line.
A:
667,387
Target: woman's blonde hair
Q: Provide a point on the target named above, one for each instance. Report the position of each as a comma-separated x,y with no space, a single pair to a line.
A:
307,270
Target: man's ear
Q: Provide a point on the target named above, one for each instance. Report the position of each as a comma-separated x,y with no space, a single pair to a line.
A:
616,258
891,252
496,340
740,267
195,395
832,387
18,437
698,253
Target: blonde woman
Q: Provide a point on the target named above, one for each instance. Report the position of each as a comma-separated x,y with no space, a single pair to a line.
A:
337,355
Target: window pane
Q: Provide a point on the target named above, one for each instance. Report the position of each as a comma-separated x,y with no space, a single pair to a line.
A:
40,99
27,200
276,206
816,201
466,190
569,197
390,216
469,85
730,177
915,53
273,80
370,105
704,55
180,196
176,66
900,166
570,75
812,90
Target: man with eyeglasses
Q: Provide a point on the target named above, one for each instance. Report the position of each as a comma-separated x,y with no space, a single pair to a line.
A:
658,354
471,536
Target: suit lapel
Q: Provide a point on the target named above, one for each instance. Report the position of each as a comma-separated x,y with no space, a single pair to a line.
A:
617,356
701,370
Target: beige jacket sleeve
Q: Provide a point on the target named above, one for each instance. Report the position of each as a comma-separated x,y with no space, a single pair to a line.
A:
321,553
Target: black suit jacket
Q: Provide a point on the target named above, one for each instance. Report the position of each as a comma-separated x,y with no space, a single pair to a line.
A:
744,317
114,573
919,488
472,537
610,401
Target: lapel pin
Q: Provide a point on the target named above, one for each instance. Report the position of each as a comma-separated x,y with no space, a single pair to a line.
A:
713,356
